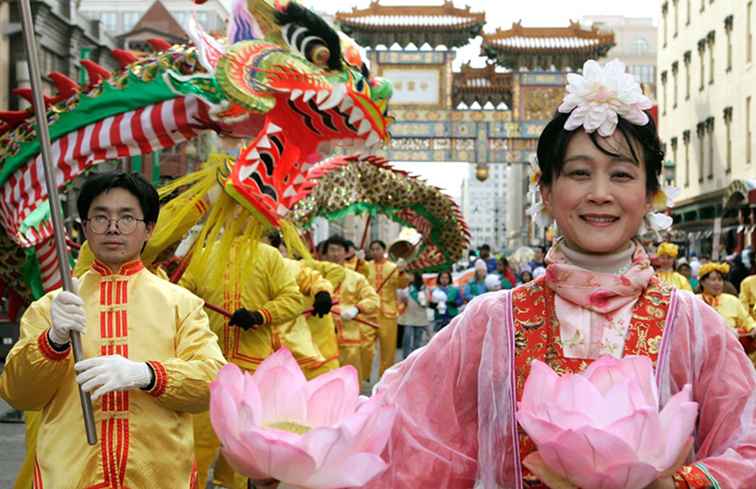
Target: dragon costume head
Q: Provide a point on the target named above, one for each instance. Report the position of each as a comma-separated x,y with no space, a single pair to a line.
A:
284,81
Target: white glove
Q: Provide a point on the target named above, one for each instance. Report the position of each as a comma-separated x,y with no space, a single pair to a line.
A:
67,315
349,313
112,373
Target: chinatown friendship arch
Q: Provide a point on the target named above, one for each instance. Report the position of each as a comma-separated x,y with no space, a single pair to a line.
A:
483,116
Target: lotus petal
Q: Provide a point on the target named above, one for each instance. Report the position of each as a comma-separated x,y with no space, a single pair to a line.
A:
679,420
332,396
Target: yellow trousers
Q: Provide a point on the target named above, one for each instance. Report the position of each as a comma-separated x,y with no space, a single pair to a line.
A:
24,479
386,336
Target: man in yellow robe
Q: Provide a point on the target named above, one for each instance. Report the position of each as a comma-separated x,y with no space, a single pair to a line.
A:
356,299
666,254
353,261
748,294
261,292
386,278
150,356
316,326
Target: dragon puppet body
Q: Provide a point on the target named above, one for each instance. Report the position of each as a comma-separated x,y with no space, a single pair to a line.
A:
283,80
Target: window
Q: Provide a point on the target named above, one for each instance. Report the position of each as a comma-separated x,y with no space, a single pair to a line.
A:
664,91
728,139
640,46
687,12
673,143
728,32
702,56
748,129
749,34
674,84
130,19
686,142
700,132
710,43
109,21
710,133
686,60
677,17
665,10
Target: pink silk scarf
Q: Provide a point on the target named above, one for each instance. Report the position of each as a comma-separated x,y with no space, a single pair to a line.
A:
594,309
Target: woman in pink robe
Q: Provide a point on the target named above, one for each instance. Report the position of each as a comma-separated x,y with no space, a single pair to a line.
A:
457,397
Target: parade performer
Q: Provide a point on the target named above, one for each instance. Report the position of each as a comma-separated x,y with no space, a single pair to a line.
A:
748,291
356,298
600,160
666,254
712,276
386,278
354,261
317,292
150,356
477,285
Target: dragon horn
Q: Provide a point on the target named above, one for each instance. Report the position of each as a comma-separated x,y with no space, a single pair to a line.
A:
123,57
264,11
65,86
242,26
95,72
159,44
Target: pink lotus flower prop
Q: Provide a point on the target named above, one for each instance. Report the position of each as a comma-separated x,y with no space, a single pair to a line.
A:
602,429
319,434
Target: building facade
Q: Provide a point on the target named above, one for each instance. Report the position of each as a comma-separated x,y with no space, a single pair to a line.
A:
490,117
121,17
636,45
706,85
484,206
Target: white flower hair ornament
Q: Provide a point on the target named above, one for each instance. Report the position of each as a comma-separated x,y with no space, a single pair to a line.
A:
537,209
596,99
656,220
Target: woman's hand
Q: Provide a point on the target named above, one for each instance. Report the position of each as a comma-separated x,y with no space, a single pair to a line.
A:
537,466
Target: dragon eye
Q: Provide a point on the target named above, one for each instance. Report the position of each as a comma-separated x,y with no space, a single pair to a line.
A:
360,86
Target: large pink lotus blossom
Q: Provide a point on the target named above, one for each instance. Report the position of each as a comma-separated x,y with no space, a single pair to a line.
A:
602,429
319,434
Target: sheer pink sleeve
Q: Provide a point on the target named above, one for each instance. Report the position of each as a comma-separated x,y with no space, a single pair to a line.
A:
706,354
434,440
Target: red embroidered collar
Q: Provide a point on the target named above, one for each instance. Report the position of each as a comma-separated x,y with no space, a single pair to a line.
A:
129,268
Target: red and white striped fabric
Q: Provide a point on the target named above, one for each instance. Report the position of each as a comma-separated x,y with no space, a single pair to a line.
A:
49,268
143,131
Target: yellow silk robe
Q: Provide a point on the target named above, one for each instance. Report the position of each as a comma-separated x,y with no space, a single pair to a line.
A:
388,312
748,295
261,283
137,315
313,277
357,265
354,290
732,310
675,279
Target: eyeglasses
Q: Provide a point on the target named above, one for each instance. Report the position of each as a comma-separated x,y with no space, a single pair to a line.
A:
125,224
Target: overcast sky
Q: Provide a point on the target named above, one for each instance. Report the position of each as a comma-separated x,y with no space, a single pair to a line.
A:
501,13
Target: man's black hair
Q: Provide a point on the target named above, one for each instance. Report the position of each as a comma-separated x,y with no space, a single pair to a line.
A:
336,240
379,243
133,183
274,239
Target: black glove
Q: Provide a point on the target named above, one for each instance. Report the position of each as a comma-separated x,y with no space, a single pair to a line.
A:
451,303
433,305
246,319
322,304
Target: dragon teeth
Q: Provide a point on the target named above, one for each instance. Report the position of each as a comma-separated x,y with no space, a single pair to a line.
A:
289,192
346,104
373,139
356,115
299,180
364,127
322,95
308,95
272,128
336,97
296,93
264,142
254,155
246,171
